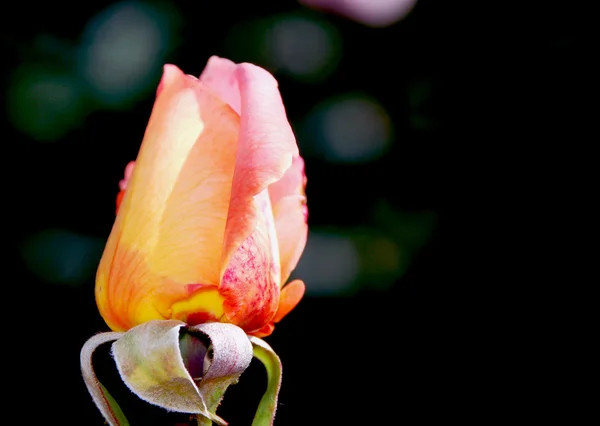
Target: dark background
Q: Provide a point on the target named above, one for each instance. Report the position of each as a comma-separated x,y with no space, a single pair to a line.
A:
410,336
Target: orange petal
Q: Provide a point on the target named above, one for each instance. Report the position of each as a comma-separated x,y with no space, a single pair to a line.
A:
291,295
120,196
265,331
168,233
250,283
291,213
266,146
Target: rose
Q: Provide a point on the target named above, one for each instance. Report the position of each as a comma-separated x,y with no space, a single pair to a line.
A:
212,217
374,13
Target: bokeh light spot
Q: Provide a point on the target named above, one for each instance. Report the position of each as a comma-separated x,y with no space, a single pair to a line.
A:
351,128
302,46
329,264
60,256
123,48
43,103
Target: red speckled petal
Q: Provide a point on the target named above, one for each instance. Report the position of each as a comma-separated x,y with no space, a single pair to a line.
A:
250,283
289,298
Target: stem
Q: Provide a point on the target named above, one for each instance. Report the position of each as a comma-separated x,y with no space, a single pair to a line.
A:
203,421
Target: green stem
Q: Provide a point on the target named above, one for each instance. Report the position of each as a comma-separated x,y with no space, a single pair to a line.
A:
203,421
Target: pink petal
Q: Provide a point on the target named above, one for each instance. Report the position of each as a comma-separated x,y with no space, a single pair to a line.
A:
128,171
290,212
266,146
219,74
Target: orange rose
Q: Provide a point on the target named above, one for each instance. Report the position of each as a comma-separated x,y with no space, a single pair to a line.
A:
212,217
